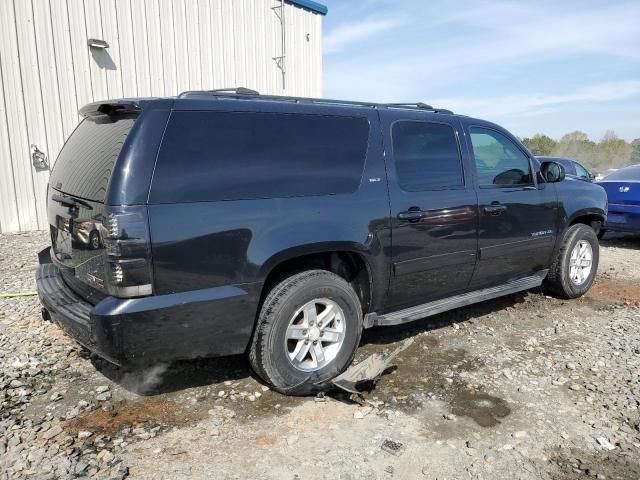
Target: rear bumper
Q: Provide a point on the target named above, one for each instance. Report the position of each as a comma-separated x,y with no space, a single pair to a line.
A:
162,328
623,218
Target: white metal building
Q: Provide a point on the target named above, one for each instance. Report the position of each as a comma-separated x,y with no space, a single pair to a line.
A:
57,55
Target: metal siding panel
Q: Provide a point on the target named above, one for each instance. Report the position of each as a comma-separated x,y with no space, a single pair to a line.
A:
240,46
99,58
182,58
64,70
193,46
228,44
79,52
217,55
14,98
168,48
9,221
51,105
251,47
206,50
259,44
140,47
317,73
155,48
273,49
111,35
33,104
128,65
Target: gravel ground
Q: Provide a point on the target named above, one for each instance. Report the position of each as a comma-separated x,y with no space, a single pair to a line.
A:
526,386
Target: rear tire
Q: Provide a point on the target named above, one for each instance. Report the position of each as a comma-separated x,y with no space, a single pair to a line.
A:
574,269
292,349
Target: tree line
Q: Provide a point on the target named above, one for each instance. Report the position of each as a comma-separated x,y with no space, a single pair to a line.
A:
610,152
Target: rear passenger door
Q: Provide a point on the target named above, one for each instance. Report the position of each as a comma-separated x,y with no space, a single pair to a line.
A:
433,208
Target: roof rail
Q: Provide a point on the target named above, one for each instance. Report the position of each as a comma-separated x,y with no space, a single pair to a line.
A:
221,91
241,92
419,105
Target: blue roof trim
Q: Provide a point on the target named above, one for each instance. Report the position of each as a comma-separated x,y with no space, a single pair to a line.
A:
310,5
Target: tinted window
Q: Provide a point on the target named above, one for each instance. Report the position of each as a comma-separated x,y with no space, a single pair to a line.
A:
581,171
84,165
426,155
498,160
569,167
209,156
625,174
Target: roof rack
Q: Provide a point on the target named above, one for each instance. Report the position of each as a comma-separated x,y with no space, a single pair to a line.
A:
241,92
221,91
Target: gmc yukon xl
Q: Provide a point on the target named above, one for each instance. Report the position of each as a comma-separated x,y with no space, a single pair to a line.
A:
228,222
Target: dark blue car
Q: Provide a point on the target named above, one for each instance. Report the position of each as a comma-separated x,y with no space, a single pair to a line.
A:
623,193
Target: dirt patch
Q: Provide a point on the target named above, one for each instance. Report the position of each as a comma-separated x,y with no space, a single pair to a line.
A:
266,440
484,409
609,291
131,414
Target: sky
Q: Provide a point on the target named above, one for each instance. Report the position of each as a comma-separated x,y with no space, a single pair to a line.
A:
548,67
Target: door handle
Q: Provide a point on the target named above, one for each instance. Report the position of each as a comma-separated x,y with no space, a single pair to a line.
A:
495,209
411,215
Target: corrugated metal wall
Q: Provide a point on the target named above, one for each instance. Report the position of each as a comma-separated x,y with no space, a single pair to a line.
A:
156,48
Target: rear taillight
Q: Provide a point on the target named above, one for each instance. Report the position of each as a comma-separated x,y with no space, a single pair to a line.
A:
126,234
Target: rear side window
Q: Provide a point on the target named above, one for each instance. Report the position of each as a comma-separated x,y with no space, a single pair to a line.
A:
426,155
86,161
208,156
498,160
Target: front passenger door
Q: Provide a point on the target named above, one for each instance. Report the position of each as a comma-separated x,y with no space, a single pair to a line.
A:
517,215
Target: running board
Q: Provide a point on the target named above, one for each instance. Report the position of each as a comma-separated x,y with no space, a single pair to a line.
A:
457,301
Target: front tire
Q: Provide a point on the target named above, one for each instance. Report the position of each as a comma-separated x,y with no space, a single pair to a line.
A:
307,332
574,269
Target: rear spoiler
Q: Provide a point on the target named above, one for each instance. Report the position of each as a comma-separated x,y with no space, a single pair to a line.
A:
109,108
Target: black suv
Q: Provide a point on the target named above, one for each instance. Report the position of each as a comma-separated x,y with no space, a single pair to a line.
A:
220,223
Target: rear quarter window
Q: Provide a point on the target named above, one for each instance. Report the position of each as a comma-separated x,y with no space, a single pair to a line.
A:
209,156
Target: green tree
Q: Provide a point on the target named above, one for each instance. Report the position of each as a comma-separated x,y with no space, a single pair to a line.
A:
577,146
635,151
614,151
540,144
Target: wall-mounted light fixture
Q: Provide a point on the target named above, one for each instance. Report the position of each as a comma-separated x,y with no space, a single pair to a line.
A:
95,43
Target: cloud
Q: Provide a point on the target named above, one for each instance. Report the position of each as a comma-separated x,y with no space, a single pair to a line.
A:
342,36
488,40
535,104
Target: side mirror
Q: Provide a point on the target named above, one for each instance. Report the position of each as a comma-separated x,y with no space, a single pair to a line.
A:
552,172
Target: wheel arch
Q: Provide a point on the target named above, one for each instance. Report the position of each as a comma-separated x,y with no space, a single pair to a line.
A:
587,216
347,260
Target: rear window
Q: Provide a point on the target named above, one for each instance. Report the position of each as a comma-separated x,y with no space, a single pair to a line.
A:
208,156
628,174
84,166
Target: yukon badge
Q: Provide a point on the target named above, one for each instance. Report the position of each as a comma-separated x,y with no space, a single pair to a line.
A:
623,189
541,233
